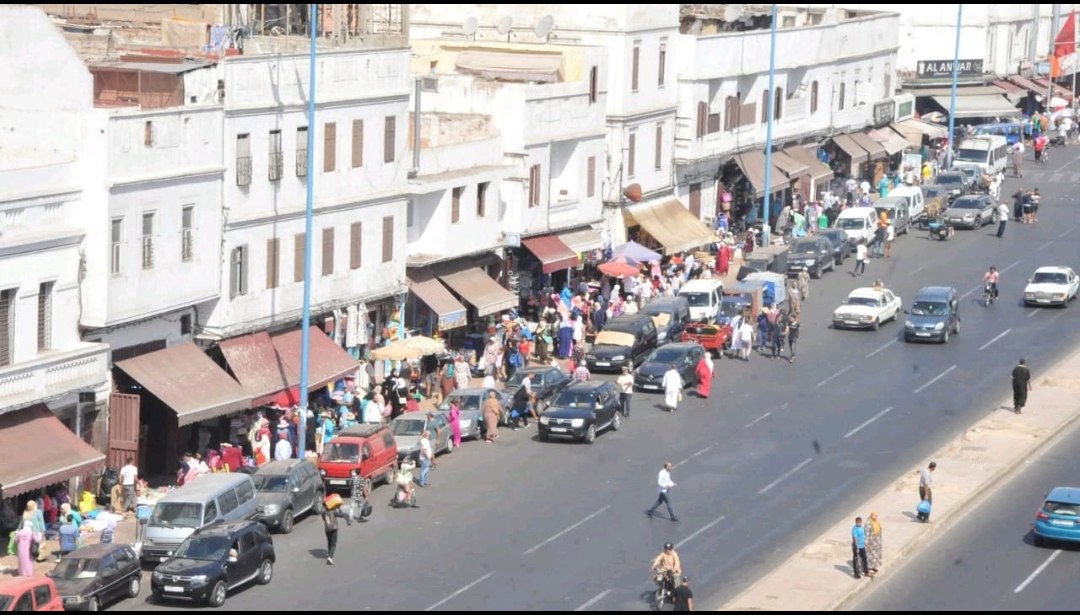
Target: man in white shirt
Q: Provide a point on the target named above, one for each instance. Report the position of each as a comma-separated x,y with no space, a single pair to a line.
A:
626,385
283,449
129,474
665,484
426,456
890,235
1018,158
1003,217
860,258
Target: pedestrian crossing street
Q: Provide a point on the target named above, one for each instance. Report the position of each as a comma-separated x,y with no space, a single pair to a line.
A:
1034,175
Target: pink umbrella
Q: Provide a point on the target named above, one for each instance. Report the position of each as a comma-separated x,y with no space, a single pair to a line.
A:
620,267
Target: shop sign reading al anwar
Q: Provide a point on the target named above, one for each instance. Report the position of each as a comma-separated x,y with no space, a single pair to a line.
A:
929,69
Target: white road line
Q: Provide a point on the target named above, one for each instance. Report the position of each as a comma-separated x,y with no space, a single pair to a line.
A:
1063,235
1034,312
968,293
1046,245
786,476
701,452
872,419
757,420
880,349
834,376
567,530
999,336
1058,315
707,527
595,599
459,592
917,270
935,379
1011,266
1038,571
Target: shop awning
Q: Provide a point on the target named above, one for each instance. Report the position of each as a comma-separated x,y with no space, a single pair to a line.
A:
672,225
857,154
478,289
1027,84
752,164
553,254
40,451
914,129
818,170
582,240
977,106
507,66
1009,87
790,166
872,147
188,381
441,301
327,361
892,142
1059,90
255,363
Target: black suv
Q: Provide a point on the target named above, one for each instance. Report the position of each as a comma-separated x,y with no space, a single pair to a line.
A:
215,560
581,410
545,385
286,489
811,254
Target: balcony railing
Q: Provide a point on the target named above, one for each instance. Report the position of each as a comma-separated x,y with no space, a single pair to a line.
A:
187,244
277,160
243,170
52,375
301,163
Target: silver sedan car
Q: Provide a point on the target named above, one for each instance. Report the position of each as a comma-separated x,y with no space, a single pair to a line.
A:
469,403
971,211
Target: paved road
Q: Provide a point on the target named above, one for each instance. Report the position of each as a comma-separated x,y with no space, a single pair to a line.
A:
763,467
987,562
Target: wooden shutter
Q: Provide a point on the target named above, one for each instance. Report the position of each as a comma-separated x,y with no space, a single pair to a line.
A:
764,106
590,178
594,83
778,104
481,199
357,143
631,155
813,97
389,138
455,205
702,118
387,239
658,154
634,69
273,262
298,257
534,185
695,200
328,251
356,245
329,147
662,65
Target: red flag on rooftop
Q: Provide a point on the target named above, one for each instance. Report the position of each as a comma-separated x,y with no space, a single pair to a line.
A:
1065,43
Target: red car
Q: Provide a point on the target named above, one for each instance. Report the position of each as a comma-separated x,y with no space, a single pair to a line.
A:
366,453
29,594
714,338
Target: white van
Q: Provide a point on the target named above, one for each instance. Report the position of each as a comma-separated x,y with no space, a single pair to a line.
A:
704,297
914,197
858,223
988,153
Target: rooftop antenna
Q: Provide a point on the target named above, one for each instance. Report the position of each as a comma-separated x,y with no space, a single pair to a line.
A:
543,27
505,25
468,27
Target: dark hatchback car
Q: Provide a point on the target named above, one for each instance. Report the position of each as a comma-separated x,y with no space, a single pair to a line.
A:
670,315
841,243
582,410
96,575
545,385
954,183
813,255
684,356
933,316
286,489
214,561
624,341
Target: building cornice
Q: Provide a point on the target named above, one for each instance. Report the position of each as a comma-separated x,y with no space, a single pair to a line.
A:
345,205
249,110
194,174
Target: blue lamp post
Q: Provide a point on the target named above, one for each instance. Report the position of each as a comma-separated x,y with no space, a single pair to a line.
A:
305,333
952,99
768,131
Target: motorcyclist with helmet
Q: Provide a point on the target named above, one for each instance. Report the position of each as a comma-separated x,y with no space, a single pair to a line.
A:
668,564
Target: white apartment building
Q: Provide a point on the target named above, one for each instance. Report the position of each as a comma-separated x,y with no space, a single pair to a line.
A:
50,380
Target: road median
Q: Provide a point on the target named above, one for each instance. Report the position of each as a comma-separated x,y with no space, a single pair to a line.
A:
819,578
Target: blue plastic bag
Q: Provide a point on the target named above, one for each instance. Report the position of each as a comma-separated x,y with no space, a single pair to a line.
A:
923,508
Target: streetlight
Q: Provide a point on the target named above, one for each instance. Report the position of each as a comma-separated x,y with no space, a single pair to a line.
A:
305,333
952,99
768,129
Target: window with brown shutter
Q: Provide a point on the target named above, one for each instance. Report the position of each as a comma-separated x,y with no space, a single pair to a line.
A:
273,262
387,239
695,200
357,143
658,154
455,205
813,97
329,147
702,119
636,61
590,177
778,105
534,186
594,83
662,65
712,126
389,138
840,98
764,106
481,199
356,245
731,113
328,251
631,155
298,257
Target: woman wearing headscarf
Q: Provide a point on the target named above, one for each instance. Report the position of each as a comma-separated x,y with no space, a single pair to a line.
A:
455,423
25,539
874,552
704,376
491,411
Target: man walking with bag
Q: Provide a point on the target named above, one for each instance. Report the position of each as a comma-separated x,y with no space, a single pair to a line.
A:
926,494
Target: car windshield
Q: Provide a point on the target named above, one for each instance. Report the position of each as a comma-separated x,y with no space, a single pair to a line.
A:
971,155
408,427
667,355
5,603
1062,508
834,237
271,482
574,399
932,191
731,308
851,224
206,548
696,299
968,172
1050,278
71,568
867,301
177,514
951,178
808,247
519,377
929,308
967,204
464,402
342,452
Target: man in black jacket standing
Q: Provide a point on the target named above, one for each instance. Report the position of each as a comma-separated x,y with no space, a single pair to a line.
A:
1021,383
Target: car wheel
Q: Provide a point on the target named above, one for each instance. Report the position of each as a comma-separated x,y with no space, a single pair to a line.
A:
543,437
945,337
266,572
134,586
590,435
449,445
875,325
1038,540
816,273
478,431
907,339
156,596
978,222
218,594
616,421
287,522
317,505
93,604
956,329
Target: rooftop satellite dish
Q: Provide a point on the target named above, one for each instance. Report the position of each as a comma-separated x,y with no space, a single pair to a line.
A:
544,26
468,27
733,12
505,24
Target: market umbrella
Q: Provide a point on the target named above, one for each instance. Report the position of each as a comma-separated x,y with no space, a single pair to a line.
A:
620,267
1057,103
636,251
396,351
424,344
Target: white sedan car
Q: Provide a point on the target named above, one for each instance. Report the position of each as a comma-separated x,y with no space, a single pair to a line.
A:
1051,286
867,308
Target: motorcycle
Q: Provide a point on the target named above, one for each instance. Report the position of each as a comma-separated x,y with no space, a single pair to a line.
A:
988,294
941,230
663,588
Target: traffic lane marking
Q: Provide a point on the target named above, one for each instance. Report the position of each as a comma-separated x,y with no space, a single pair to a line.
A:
834,376
867,423
1011,266
594,600
701,452
707,527
996,338
917,270
934,379
567,531
1045,245
880,349
1034,312
757,420
460,591
1042,567
785,476
1066,233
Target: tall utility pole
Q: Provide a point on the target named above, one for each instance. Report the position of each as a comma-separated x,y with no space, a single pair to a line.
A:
1055,27
305,333
952,99
1033,44
768,130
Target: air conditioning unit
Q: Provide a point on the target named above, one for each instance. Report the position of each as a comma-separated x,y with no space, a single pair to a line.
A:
429,84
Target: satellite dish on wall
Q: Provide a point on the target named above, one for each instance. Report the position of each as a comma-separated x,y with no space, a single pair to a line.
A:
468,27
505,24
733,12
544,26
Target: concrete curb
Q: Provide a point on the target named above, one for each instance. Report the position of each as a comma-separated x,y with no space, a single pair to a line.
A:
941,522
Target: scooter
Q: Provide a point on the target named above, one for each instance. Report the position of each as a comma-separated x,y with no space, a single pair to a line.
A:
940,230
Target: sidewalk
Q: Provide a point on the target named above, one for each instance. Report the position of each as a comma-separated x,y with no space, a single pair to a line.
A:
124,534
819,577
